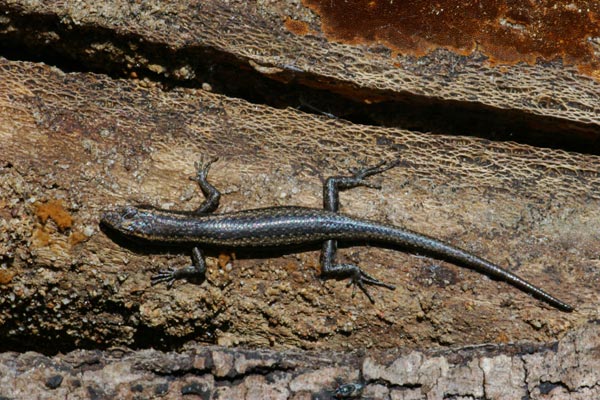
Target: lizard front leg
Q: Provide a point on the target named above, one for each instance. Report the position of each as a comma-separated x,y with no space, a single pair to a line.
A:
196,271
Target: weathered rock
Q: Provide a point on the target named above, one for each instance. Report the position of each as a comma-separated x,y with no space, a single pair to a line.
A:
489,371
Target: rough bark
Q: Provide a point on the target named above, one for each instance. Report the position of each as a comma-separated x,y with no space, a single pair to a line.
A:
245,49
73,144
568,369
76,144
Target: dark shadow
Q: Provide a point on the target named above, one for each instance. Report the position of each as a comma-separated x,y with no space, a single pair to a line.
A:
234,77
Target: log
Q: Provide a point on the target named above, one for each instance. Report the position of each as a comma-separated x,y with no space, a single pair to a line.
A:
74,145
567,369
141,92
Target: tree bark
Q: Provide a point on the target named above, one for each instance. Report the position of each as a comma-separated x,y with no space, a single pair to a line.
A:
141,92
564,370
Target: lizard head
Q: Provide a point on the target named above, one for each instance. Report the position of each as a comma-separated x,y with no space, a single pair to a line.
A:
128,221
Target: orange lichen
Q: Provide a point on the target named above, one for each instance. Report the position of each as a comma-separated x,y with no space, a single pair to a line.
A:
507,32
6,276
40,238
297,27
223,260
501,338
54,210
76,238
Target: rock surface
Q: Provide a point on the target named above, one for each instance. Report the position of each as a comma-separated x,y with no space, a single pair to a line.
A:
569,369
139,90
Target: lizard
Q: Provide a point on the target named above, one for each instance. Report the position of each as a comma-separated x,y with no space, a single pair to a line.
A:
293,225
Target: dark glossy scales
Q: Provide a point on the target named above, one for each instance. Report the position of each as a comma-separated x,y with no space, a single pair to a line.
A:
280,226
261,227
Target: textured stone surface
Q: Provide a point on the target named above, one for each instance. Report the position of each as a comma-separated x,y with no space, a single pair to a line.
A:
86,142
178,79
491,372
172,39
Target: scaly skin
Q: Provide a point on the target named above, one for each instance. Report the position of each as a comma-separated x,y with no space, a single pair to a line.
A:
282,226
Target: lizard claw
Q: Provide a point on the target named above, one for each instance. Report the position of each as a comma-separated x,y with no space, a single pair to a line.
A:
364,279
369,184
165,275
359,175
384,165
359,279
202,167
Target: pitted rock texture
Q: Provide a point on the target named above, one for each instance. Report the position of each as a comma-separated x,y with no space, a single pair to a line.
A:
568,370
75,144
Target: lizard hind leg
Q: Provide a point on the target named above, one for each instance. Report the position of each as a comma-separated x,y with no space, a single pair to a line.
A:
358,277
335,184
211,193
331,202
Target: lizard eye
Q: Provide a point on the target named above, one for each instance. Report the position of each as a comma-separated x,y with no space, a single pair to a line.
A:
129,212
